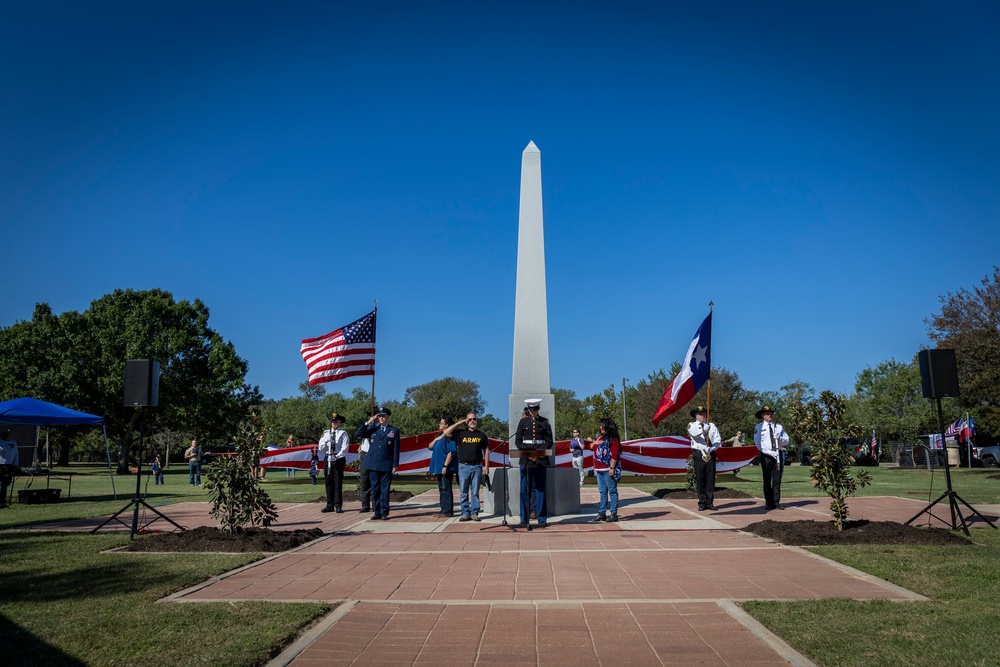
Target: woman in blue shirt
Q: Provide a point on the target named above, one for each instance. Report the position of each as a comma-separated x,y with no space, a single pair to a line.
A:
444,465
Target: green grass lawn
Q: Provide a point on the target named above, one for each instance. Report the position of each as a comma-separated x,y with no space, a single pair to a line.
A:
93,492
955,628
63,602
978,485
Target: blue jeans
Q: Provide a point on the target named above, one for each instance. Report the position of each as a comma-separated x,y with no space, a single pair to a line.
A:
468,487
380,482
607,485
533,478
445,495
194,467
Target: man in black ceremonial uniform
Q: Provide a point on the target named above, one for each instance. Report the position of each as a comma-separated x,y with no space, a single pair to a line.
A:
533,432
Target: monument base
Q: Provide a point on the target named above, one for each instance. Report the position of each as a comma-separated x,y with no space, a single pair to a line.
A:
562,492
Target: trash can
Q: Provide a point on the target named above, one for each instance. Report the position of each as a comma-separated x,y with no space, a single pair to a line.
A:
954,458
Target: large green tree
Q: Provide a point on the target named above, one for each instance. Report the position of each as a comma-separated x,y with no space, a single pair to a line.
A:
78,359
969,322
888,398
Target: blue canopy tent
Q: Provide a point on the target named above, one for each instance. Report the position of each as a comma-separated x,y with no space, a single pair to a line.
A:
40,413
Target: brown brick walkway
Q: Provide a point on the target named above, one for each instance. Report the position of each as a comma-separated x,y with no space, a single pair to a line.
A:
659,587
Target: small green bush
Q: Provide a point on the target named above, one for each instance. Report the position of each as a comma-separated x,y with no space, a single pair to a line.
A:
238,501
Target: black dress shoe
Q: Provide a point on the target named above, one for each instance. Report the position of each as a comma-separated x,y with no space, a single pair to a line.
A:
364,510
768,508
338,510
326,509
385,517
778,506
376,517
712,508
701,508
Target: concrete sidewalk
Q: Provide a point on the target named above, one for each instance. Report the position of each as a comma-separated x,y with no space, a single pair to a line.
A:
659,587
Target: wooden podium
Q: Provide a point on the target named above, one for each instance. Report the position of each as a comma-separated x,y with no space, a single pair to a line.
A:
525,453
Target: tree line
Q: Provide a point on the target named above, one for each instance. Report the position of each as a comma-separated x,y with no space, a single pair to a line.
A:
77,359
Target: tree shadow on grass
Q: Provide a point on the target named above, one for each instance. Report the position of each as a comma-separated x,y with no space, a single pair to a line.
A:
21,647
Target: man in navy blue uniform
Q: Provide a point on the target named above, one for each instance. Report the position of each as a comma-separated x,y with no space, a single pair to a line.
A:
383,459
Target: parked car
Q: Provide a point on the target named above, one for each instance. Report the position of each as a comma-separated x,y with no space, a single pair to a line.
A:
990,456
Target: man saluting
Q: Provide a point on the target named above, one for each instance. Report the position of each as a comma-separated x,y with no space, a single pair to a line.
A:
382,461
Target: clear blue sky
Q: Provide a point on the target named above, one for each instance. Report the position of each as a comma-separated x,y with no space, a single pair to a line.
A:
822,171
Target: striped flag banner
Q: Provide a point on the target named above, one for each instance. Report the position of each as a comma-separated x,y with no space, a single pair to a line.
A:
344,353
664,455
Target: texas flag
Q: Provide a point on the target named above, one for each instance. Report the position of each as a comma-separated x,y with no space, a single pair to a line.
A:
694,372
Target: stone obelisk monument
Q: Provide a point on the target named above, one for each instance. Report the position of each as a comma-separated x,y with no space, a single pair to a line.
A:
531,315
531,344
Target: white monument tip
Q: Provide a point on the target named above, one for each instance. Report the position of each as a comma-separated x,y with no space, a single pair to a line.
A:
531,148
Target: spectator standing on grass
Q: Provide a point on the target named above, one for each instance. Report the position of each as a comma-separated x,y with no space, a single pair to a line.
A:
193,455
444,465
290,472
157,469
313,466
8,464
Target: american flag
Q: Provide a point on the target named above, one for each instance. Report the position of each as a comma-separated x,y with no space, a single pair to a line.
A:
954,429
874,447
344,353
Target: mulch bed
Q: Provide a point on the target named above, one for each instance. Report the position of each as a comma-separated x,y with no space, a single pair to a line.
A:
682,494
211,539
823,533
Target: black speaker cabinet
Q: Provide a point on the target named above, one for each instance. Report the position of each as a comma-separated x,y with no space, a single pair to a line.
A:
938,373
142,382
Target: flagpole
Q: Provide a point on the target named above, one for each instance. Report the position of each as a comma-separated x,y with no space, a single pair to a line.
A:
968,439
708,382
371,411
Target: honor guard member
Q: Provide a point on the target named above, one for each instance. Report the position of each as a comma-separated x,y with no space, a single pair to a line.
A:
382,461
533,432
705,439
333,448
770,438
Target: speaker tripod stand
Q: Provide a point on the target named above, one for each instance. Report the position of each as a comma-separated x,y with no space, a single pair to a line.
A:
953,498
137,501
